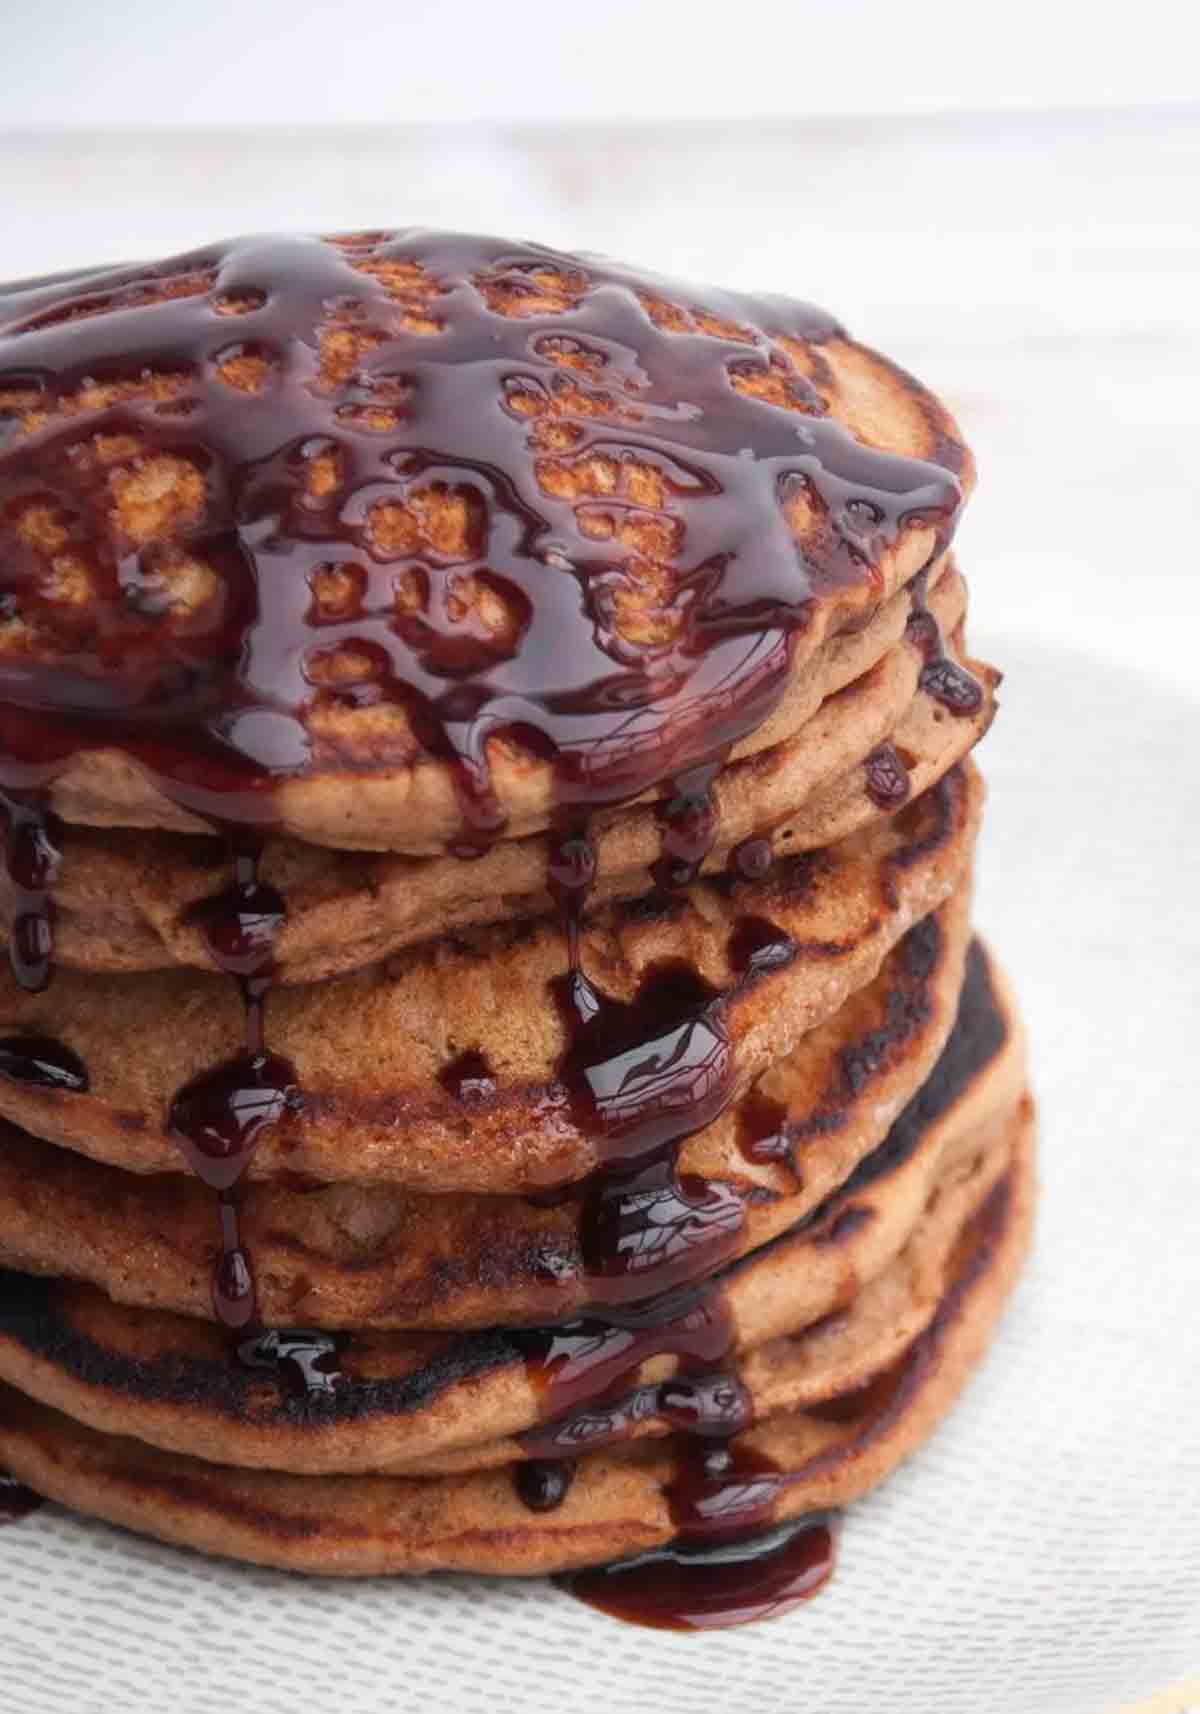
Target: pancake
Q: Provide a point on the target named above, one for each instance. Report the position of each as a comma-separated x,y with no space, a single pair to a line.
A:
538,690
376,1055
618,1503
296,529
416,1398
369,1255
127,901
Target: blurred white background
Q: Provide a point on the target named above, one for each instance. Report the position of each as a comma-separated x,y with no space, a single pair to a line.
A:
1005,198
238,62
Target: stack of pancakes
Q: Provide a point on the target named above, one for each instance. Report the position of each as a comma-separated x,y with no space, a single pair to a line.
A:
496,1070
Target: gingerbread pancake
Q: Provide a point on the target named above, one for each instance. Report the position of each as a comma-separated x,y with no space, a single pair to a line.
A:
448,1068
396,540
412,1400
356,1255
620,1502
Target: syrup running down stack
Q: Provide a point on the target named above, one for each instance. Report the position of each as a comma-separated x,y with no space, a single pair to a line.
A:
496,1073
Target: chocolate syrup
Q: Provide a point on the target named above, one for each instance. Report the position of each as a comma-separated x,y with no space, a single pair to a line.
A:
306,1359
641,1078
445,395
43,1061
217,710
942,678
218,1118
543,1483
752,859
570,876
762,1128
689,828
582,1370
715,1584
888,784
16,1500
32,857
468,1078
757,946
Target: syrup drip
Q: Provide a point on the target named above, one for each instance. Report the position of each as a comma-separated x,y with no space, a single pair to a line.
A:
726,1565
582,1372
16,1500
763,1135
219,1117
543,1483
32,859
689,828
306,1358
570,876
468,1078
888,784
641,1078
713,1585
942,678
757,946
43,1061
752,859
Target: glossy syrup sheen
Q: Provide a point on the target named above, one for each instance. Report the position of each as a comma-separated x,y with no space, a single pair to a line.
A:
217,713
715,1585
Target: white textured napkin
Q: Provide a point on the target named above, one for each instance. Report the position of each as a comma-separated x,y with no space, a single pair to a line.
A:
1042,1556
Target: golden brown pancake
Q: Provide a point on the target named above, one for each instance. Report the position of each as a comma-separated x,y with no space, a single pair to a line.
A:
434,1402
618,1503
126,900
359,1255
369,1050
380,512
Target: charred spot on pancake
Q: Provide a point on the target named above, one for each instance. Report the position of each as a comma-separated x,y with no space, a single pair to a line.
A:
979,1034
37,1314
845,1224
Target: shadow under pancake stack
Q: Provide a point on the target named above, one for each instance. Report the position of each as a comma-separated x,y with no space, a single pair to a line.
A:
496,1072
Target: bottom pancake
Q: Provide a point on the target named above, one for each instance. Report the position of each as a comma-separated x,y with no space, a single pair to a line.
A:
617,1505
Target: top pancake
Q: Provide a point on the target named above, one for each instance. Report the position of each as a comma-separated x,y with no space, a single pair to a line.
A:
401,541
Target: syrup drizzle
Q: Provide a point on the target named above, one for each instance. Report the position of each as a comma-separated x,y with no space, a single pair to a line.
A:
716,1584
888,784
641,1085
543,1483
942,678
43,1061
689,828
219,1117
305,1357
217,714
752,859
32,859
